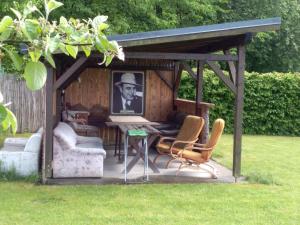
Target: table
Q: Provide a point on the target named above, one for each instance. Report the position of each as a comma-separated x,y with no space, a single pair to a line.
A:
124,123
115,121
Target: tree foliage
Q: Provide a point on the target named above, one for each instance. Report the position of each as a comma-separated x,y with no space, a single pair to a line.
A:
272,51
39,38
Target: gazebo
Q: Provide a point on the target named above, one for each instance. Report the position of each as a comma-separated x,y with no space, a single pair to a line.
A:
162,55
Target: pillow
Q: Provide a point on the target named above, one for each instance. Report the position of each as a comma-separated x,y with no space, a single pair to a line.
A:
65,136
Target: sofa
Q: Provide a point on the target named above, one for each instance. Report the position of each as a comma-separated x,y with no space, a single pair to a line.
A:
76,156
22,154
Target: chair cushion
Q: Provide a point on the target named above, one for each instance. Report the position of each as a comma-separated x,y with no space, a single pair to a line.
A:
65,135
165,148
90,145
191,155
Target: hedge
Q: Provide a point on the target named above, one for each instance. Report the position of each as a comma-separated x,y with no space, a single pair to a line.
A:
271,103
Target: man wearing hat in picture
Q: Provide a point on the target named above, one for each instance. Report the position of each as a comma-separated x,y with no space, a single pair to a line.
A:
127,101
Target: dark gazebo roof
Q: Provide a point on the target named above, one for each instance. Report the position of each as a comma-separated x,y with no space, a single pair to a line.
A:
196,39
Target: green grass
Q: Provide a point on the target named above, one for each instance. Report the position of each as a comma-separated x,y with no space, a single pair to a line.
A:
272,197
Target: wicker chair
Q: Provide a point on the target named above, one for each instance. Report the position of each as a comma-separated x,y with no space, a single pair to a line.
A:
187,136
197,154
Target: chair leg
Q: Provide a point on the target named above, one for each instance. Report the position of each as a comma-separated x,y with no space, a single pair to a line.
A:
168,163
213,172
178,170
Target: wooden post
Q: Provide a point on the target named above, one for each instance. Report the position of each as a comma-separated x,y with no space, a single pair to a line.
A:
48,133
177,71
199,86
238,116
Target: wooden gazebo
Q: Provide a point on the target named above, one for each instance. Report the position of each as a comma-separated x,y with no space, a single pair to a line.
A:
163,55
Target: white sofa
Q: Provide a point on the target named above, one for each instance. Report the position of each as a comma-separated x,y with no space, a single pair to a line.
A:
21,154
76,156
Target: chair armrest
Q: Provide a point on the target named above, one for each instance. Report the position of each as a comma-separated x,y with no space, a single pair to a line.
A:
165,139
188,143
162,139
20,142
91,151
198,149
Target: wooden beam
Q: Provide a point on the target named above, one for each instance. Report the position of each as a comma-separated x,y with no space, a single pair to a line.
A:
189,70
222,76
238,115
199,86
68,74
176,56
232,67
48,133
170,85
74,77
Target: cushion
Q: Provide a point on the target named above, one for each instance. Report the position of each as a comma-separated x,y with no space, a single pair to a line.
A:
195,156
90,145
65,135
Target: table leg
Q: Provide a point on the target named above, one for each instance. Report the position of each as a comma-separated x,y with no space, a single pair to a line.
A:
116,139
139,155
119,145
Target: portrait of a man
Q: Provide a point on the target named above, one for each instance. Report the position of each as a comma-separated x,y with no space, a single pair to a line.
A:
127,95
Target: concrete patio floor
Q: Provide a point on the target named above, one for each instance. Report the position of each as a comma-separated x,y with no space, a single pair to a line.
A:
113,169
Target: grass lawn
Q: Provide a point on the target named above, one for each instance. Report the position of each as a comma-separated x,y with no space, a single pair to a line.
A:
271,197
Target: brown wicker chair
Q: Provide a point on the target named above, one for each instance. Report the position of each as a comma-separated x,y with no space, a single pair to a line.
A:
187,136
197,154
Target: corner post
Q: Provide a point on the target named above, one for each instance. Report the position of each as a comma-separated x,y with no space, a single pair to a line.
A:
199,87
238,115
48,133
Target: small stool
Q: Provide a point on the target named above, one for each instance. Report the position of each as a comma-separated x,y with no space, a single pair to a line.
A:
140,134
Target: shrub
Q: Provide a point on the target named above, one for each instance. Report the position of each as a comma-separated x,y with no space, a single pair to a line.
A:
271,103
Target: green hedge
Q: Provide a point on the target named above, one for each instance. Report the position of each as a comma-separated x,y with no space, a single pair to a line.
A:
271,104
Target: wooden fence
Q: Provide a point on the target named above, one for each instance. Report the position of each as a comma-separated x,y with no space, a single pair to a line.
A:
28,106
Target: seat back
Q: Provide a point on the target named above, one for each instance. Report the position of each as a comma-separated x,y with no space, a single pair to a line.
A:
66,135
190,129
34,143
215,135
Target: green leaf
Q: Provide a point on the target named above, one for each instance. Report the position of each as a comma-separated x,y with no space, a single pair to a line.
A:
103,26
108,60
12,120
35,75
3,113
5,34
35,55
15,57
50,59
62,47
31,29
30,8
52,4
52,44
5,23
87,50
72,50
17,13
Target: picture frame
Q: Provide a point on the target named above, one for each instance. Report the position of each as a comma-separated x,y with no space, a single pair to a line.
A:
127,92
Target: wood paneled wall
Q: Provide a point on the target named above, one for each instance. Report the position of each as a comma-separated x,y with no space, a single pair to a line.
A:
93,88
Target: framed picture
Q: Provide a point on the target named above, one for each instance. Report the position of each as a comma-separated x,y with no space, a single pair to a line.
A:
127,92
